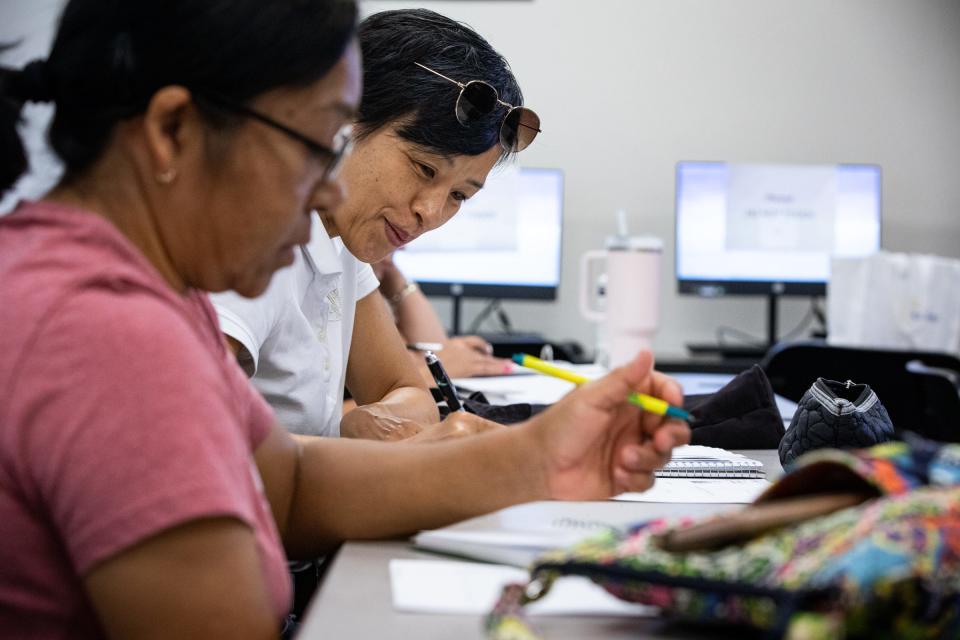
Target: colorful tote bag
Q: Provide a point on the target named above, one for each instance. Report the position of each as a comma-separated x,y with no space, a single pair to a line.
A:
887,567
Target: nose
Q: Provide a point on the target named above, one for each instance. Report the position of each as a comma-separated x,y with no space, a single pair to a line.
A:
329,195
428,206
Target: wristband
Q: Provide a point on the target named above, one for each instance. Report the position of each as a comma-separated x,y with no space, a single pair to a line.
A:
398,297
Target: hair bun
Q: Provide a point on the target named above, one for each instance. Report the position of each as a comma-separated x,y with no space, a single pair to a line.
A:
32,83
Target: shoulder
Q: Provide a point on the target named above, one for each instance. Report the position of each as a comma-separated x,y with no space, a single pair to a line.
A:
107,366
127,419
77,291
133,332
251,321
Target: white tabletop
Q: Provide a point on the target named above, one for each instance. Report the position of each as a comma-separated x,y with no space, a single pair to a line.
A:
355,601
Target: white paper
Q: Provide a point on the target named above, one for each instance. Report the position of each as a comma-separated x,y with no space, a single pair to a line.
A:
700,490
698,451
517,548
467,588
535,389
701,383
518,535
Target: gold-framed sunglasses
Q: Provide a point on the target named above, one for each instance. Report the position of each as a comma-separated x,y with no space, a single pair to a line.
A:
477,98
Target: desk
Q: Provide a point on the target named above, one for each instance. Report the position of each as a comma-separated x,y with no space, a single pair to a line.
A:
355,601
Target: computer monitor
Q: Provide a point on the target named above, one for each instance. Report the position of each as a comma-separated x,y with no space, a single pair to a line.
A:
503,243
771,228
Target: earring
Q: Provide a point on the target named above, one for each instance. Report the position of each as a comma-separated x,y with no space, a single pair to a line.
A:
168,176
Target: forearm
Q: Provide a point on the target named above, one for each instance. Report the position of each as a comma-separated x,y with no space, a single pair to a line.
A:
419,363
417,320
352,489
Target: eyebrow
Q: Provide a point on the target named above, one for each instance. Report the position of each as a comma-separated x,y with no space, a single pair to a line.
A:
449,160
470,181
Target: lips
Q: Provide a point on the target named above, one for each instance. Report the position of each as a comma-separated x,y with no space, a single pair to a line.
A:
397,237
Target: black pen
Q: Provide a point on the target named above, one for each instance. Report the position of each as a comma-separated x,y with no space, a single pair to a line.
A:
443,381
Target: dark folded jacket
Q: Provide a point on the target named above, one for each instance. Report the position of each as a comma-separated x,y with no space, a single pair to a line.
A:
741,415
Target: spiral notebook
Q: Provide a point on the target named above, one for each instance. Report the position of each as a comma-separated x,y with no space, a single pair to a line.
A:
697,461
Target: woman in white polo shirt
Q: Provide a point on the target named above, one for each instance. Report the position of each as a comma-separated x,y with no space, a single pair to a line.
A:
437,114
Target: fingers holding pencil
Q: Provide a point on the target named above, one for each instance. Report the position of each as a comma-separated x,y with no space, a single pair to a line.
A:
651,404
593,443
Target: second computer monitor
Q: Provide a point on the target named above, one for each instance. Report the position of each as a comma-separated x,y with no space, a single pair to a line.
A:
503,243
771,228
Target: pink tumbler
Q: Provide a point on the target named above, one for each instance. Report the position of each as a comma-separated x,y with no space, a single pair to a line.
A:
632,296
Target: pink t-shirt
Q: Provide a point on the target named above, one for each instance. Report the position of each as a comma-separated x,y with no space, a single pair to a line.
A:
122,414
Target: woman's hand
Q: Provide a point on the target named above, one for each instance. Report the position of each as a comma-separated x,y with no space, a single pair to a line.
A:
594,444
469,356
458,424
375,422
372,422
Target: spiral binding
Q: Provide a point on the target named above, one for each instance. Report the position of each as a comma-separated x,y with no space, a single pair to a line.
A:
712,468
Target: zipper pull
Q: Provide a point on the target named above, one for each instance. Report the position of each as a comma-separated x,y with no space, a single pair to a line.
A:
850,383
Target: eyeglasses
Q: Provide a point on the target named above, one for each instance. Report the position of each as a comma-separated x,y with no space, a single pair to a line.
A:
477,98
330,158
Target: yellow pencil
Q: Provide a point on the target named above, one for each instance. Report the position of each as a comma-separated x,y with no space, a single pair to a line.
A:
642,400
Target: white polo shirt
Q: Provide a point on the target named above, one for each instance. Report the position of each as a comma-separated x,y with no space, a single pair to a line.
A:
297,334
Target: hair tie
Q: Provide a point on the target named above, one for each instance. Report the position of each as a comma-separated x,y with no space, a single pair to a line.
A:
32,83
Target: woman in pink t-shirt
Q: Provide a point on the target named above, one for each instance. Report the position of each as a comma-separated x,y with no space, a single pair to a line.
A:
145,489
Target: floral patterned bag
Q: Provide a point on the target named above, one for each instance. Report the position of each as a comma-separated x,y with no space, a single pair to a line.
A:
887,567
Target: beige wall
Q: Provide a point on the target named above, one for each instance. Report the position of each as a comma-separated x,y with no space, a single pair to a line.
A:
626,88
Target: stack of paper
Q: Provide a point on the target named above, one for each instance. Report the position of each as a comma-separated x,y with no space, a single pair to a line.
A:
518,535
522,533
700,491
467,588
517,548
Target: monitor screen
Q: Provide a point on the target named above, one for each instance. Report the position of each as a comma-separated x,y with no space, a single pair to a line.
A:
771,228
503,243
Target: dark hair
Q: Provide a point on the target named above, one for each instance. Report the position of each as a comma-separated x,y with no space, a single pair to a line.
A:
395,90
110,57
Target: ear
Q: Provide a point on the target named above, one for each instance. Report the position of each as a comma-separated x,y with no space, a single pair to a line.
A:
167,123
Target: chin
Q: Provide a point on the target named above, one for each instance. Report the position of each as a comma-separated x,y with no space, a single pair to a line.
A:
252,287
377,256
373,252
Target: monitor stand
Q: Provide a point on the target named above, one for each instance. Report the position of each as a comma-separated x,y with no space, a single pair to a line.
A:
742,350
505,343
456,300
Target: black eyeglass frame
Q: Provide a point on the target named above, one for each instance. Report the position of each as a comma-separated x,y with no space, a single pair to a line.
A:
465,119
333,157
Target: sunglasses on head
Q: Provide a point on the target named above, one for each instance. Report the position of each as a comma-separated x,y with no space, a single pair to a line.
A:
477,98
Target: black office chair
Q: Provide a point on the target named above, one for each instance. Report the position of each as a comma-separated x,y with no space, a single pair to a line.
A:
920,390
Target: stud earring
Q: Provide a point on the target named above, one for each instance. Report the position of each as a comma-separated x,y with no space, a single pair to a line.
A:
168,176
